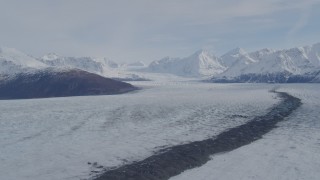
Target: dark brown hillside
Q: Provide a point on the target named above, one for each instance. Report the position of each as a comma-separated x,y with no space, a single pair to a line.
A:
45,84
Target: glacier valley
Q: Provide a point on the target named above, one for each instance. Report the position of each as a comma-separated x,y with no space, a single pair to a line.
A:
81,137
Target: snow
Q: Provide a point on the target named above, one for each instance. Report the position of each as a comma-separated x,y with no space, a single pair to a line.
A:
84,63
237,62
317,79
199,64
298,61
100,66
313,52
50,57
13,61
290,151
232,56
56,138
273,63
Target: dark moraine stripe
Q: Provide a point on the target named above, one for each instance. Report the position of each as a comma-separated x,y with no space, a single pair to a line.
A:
174,160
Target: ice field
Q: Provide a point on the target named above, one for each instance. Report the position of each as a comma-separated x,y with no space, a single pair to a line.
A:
68,138
291,151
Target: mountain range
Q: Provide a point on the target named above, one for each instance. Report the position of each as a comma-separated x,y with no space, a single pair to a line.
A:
23,76
199,64
300,64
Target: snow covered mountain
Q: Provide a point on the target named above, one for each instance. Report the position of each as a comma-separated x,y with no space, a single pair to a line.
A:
316,79
85,63
100,66
267,65
301,64
199,64
13,61
22,76
234,55
238,58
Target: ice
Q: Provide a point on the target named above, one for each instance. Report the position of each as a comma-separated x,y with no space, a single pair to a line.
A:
62,138
291,151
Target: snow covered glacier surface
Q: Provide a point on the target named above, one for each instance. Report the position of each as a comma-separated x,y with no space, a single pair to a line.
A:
56,138
291,151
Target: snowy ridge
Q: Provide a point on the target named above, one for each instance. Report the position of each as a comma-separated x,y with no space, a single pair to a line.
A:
100,66
236,58
269,65
201,63
232,57
13,61
317,78
84,63
300,64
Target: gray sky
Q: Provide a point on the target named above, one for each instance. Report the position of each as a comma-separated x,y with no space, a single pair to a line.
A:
133,30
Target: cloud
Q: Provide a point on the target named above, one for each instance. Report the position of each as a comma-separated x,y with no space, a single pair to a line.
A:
144,29
303,19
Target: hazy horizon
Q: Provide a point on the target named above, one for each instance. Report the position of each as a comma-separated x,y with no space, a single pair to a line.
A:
147,30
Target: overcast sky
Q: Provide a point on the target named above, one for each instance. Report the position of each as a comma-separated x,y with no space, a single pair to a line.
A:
133,30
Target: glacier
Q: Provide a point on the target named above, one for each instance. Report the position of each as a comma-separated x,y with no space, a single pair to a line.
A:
58,138
81,137
290,151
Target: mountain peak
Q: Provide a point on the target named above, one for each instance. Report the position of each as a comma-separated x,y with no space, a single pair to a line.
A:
266,50
199,64
50,56
13,61
235,51
17,57
201,52
235,55
201,56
